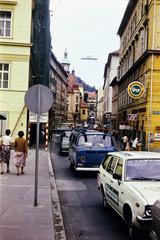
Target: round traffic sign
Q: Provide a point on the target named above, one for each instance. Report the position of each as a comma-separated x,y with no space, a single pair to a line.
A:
135,89
39,99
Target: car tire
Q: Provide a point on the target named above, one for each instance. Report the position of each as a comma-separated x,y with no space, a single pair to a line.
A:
105,204
104,201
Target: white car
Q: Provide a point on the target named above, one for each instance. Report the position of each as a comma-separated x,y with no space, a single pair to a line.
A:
130,184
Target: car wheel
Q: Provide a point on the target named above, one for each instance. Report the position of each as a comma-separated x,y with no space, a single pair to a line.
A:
105,204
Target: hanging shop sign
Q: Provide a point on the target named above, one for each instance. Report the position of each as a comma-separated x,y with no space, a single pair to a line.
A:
132,117
135,89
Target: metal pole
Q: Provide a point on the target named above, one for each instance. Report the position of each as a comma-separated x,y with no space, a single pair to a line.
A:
152,76
37,152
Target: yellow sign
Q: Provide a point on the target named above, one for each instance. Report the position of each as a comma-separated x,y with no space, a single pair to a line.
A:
135,89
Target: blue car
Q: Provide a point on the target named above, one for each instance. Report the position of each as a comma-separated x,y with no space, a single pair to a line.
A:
87,148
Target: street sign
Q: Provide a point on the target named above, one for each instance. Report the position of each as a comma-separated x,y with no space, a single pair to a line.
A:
135,89
39,99
43,118
132,117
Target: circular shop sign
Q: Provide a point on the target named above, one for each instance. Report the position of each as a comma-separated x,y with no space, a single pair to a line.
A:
135,89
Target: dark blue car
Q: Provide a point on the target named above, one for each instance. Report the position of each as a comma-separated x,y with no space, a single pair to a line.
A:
87,149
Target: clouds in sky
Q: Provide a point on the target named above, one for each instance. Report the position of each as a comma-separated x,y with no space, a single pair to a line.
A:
86,27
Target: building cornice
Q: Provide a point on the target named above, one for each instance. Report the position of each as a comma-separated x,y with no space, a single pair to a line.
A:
128,12
8,2
16,44
138,63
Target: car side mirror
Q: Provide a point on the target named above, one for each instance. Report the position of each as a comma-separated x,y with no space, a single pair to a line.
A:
117,176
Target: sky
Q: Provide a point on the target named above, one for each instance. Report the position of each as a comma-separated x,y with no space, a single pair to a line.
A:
86,28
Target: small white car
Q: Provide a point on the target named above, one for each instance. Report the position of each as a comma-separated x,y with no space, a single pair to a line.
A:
130,184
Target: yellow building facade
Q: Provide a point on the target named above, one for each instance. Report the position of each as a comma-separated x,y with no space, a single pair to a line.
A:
83,111
15,45
140,62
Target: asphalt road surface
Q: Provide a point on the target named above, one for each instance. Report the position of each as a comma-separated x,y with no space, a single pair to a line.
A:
81,204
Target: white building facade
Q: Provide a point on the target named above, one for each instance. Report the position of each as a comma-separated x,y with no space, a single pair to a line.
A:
110,72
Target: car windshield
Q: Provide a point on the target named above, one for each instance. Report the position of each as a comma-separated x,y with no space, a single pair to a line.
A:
142,169
93,140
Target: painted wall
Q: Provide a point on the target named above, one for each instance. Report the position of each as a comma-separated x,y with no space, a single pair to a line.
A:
16,51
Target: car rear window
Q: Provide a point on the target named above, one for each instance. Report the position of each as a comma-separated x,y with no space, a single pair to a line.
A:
95,140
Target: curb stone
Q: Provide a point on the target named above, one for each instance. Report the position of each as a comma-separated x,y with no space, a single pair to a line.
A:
56,208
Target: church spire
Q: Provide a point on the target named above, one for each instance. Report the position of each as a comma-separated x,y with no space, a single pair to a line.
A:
65,62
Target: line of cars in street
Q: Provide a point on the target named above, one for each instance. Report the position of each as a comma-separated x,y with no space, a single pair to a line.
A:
129,182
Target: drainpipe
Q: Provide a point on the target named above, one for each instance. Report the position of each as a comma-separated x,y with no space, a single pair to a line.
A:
151,84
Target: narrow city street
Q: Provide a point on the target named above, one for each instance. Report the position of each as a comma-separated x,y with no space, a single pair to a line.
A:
81,204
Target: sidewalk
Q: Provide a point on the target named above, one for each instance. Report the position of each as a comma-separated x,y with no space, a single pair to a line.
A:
19,219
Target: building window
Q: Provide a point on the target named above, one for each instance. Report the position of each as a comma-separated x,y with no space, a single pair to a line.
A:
4,75
5,24
76,108
142,8
83,112
77,99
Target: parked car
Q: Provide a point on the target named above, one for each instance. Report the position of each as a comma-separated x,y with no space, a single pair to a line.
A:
130,183
156,220
64,144
88,148
58,133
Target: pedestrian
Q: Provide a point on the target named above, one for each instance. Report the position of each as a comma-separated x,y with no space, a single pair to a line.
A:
116,134
127,148
124,140
21,152
6,145
134,144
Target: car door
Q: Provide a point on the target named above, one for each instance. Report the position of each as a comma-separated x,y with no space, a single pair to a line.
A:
117,186
110,193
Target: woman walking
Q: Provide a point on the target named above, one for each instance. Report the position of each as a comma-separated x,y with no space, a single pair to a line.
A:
21,152
6,146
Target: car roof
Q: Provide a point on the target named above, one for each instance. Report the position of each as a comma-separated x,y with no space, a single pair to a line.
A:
135,154
88,132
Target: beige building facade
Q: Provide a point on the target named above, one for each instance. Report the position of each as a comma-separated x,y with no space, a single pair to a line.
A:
110,72
15,46
58,85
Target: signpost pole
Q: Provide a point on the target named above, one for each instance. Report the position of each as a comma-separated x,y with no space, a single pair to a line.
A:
37,151
38,99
